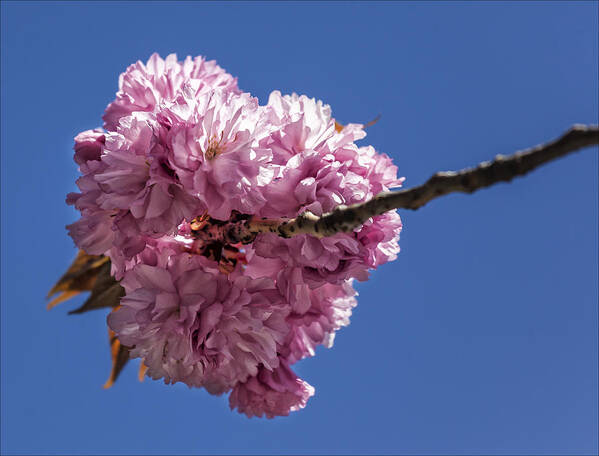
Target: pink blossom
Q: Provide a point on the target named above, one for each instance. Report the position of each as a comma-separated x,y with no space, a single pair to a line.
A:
93,231
319,168
213,149
184,147
271,393
88,147
305,124
137,178
191,323
378,238
143,87
329,309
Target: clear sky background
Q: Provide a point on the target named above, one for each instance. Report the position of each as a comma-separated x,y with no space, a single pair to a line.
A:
480,338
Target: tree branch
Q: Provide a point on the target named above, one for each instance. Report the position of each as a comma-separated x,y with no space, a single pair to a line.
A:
244,229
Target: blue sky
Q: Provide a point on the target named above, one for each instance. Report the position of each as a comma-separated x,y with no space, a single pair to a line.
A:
480,338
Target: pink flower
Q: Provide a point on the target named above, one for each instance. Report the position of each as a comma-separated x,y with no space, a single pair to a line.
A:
191,323
88,147
319,168
378,238
328,260
213,149
185,148
143,87
305,124
329,309
93,231
271,393
138,180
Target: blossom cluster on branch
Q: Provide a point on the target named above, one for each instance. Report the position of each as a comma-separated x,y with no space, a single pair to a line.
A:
182,150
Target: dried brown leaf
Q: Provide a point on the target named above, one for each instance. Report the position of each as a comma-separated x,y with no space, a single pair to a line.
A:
81,276
92,273
339,127
120,357
373,121
63,296
107,292
142,371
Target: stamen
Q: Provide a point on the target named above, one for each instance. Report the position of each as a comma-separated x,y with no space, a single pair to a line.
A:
199,222
214,147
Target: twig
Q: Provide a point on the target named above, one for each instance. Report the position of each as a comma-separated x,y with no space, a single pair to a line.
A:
347,218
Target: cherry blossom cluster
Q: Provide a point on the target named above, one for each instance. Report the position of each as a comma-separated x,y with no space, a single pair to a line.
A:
183,147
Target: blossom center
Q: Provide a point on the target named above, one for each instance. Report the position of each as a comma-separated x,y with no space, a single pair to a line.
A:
214,147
